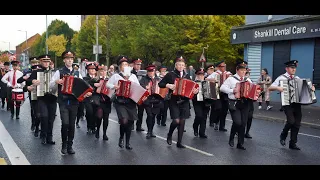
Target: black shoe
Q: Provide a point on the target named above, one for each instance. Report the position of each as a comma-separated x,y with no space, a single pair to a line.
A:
43,140
239,146
64,148
70,150
50,141
231,142
294,147
247,135
17,117
158,122
203,136
148,135
282,141
77,125
36,133
163,124
139,129
33,127
184,131
169,139
105,137
179,145
11,116
121,142
152,135
97,134
223,130
128,146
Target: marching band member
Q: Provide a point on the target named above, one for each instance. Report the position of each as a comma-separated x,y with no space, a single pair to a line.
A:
10,79
34,119
179,106
126,108
221,105
136,67
250,114
292,111
238,108
103,109
68,104
80,113
3,86
153,103
47,104
264,81
201,110
215,104
162,116
88,103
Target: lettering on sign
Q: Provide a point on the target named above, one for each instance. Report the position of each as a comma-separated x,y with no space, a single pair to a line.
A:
280,32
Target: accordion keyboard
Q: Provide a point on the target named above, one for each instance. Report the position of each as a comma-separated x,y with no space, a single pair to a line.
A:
285,95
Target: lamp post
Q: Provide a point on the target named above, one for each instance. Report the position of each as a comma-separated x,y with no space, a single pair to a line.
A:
46,34
27,54
97,37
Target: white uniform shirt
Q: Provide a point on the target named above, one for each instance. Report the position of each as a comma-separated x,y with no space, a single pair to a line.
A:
56,76
213,75
229,84
277,81
8,78
116,77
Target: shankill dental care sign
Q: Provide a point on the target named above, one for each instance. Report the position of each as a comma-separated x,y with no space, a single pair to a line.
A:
302,30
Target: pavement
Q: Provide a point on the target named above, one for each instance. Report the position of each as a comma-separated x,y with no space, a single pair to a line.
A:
310,114
263,149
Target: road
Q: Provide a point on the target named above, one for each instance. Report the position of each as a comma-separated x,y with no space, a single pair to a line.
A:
263,149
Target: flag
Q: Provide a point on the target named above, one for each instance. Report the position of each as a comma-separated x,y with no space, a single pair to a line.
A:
202,58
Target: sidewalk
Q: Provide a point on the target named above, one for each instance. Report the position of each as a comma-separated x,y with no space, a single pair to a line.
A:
310,114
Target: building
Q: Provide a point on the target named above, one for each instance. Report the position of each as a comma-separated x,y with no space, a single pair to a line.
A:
272,40
83,17
21,49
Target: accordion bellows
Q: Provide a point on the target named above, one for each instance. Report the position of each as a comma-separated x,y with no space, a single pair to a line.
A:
156,90
132,90
76,87
184,87
247,90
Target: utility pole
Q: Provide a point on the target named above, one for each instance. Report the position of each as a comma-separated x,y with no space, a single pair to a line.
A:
108,41
97,37
46,34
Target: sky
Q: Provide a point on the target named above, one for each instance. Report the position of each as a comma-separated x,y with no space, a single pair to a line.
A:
33,24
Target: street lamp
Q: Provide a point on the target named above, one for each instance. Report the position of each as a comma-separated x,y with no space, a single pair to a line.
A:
26,46
7,42
46,34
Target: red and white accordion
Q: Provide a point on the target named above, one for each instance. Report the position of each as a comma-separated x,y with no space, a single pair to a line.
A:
156,90
247,90
184,87
102,89
75,86
17,94
132,90
221,77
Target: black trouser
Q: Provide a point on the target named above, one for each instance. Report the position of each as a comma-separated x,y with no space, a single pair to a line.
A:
90,117
214,112
201,113
68,115
34,116
140,116
162,116
80,111
47,114
125,128
222,113
102,112
11,104
239,114
3,100
294,115
250,116
151,119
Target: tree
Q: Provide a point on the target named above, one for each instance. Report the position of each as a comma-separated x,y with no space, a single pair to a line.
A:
57,44
4,58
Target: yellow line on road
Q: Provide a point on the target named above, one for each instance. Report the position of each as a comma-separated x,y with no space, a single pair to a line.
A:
3,161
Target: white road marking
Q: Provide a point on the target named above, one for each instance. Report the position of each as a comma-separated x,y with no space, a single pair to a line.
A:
298,133
165,139
14,153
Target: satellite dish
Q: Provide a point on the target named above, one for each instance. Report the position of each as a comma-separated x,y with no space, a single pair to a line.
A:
270,18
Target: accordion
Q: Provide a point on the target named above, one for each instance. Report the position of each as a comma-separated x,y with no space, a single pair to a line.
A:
184,87
102,89
245,89
43,88
132,90
221,77
210,90
76,87
156,90
297,91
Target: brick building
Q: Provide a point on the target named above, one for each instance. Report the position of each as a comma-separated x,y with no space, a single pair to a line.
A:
21,48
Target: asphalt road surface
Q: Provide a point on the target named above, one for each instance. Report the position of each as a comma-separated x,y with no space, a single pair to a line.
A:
19,146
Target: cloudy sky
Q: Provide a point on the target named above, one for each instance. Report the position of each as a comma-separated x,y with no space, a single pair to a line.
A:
33,24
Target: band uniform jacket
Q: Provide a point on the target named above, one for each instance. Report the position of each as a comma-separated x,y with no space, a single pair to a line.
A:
154,102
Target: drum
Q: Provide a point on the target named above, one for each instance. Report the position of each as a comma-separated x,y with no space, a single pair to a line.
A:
17,95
